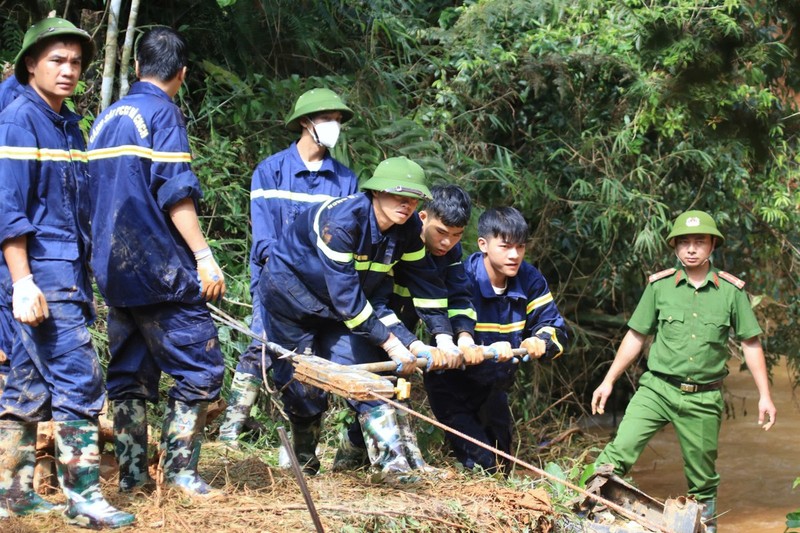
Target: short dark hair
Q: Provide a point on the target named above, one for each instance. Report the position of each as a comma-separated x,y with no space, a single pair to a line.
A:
450,204
504,222
161,52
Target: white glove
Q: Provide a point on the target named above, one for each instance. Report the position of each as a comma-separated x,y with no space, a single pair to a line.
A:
212,281
501,350
472,353
444,343
406,361
28,303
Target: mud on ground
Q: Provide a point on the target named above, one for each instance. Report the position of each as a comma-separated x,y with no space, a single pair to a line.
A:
263,498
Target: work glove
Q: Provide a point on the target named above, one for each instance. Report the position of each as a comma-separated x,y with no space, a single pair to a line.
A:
212,281
437,360
501,351
406,361
535,347
473,354
444,343
28,303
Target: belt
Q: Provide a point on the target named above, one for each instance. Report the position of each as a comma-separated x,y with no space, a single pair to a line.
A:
688,387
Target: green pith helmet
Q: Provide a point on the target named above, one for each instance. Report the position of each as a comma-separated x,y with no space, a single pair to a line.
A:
316,101
45,29
694,223
401,176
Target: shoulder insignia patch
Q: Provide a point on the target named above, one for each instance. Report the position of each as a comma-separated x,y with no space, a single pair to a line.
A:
733,280
661,275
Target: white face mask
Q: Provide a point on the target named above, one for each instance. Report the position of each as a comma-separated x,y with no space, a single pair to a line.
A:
327,133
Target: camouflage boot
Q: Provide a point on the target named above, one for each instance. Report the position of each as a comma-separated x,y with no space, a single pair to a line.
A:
305,437
349,455
244,390
18,457
180,442
409,440
385,444
130,444
708,514
78,460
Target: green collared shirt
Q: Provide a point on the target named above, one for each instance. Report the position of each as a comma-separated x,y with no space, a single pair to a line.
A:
691,325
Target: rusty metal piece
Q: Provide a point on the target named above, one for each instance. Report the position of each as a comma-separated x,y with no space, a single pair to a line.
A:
679,515
347,381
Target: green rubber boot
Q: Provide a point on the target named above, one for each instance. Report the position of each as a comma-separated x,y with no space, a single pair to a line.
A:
348,455
78,465
305,437
708,514
180,444
244,390
130,444
18,457
385,445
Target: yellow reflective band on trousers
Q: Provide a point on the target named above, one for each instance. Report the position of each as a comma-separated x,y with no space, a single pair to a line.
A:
360,317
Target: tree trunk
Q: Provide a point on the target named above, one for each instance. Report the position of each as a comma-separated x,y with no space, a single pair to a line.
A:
107,88
127,49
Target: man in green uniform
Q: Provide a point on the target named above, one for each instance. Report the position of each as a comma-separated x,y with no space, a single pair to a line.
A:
690,310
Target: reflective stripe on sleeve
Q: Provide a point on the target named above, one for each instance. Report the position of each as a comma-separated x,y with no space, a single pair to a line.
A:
333,255
360,317
469,313
413,256
277,194
430,303
539,302
552,331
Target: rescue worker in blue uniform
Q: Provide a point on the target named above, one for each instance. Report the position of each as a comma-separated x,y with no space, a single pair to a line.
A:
690,310
514,308
444,218
154,269
44,230
324,287
9,90
283,186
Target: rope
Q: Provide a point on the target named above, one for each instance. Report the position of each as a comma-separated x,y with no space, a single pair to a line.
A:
226,319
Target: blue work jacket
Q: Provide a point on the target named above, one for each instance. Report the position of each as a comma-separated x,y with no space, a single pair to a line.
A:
449,268
9,90
43,195
281,189
526,309
337,251
139,160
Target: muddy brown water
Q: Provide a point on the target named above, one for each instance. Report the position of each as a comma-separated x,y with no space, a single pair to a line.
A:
757,467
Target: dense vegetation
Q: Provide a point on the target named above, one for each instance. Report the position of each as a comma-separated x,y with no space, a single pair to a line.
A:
600,119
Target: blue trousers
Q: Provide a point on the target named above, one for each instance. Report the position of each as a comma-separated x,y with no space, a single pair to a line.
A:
7,334
299,321
176,338
55,372
252,359
475,408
